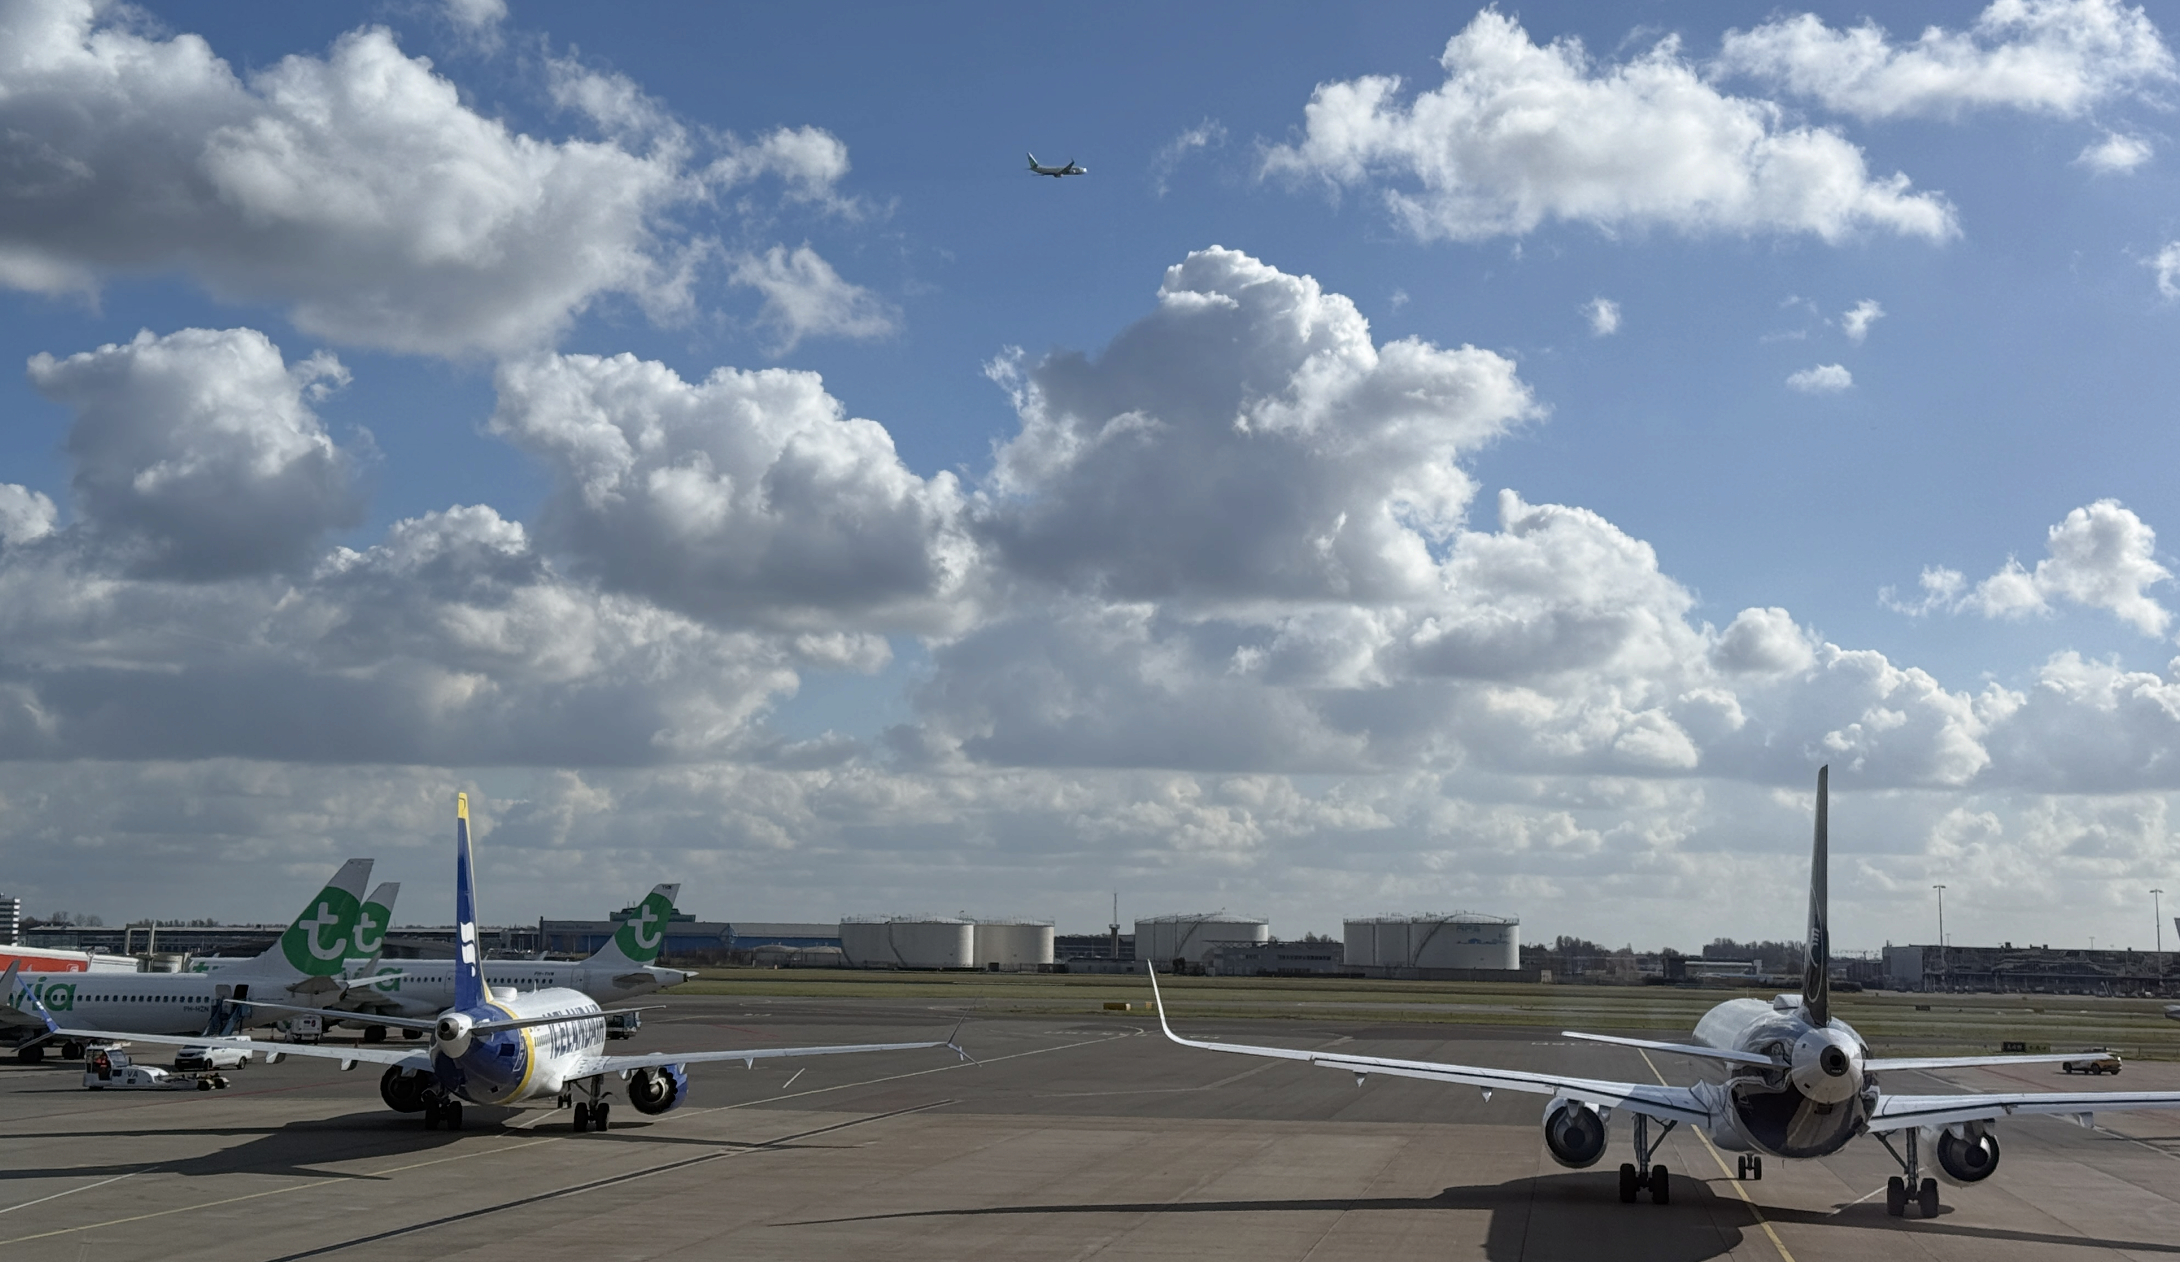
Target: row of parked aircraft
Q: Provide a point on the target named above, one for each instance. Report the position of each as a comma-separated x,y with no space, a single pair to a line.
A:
1797,1082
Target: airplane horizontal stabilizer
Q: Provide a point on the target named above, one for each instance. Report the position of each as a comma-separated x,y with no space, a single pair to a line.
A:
1879,1064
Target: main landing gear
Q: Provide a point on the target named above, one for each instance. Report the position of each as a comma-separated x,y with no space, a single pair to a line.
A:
442,1109
1750,1168
592,1113
1639,1174
1913,1187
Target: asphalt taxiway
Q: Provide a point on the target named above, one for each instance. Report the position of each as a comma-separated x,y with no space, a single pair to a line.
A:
1072,1137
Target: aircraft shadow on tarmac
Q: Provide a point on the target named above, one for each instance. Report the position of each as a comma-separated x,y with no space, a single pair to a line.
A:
1566,1216
301,1147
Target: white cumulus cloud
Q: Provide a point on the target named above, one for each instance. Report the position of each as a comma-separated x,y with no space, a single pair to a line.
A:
1520,134
2166,263
1856,321
358,189
197,453
2048,56
2116,154
2102,556
805,297
1603,315
1821,379
747,498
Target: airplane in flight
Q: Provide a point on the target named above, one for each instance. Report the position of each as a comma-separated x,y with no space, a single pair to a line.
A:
499,1046
1798,1083
1056,172
337,929
625,967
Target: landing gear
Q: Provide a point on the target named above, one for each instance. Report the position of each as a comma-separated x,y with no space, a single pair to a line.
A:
1899,1191
440,1109
32,1054
374,1034
1751,1168
1640,1174
591,1113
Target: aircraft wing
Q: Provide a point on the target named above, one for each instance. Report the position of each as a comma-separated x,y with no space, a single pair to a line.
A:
594,1065
1669,1104
1898,1112
348,1056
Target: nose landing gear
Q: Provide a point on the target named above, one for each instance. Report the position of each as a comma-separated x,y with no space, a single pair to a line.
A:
1750,1168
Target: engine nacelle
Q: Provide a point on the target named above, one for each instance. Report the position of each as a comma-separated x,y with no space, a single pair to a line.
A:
1574,1133
659,1090
1968,1157
403,1089
453,1034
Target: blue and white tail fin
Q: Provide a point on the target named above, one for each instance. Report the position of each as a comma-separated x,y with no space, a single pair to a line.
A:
1817,950
469,990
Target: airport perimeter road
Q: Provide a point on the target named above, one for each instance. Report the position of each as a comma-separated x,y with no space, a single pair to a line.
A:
1073,1138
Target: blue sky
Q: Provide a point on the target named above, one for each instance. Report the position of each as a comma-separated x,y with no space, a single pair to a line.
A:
1077,664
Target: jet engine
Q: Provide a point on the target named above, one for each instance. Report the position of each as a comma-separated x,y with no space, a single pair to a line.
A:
658,1090
403,1089
1574,1133
453,1034
1967,1157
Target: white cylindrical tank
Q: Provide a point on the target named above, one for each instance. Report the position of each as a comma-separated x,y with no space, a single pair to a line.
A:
908,942
1461,940
1013,943
1190,937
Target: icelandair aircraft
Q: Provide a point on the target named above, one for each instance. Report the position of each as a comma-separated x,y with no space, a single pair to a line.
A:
503,1047
305,963
1799,1083
1056,172
621,969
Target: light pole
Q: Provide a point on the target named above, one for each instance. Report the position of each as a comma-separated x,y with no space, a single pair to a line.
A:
2157,915
1943,972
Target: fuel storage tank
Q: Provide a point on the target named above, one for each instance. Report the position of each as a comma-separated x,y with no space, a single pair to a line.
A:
1190,936
1464,939
908,942
1012,944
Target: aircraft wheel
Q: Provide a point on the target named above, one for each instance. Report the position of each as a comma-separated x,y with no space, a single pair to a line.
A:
598,1115
1628,1183
1896,1196
1756,1164
204,1084
1927,1201
454,1115
431,1115
374,1034
1661,1186
582,1118
30,1055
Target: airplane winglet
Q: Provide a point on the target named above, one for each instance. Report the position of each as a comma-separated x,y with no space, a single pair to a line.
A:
953,1043
34,1005
1159,1001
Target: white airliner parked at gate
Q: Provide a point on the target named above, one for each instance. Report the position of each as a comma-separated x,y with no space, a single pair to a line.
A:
505,1047
1799,1083
302,967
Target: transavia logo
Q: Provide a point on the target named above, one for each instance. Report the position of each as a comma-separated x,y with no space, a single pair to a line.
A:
642,934
318,940
370,933
56,996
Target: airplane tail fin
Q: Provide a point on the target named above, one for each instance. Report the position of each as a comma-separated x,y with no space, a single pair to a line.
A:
318,940
643,934
1033,162
469,991
369,939
1817,959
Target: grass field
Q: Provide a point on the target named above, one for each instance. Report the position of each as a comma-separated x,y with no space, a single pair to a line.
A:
1893,1022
